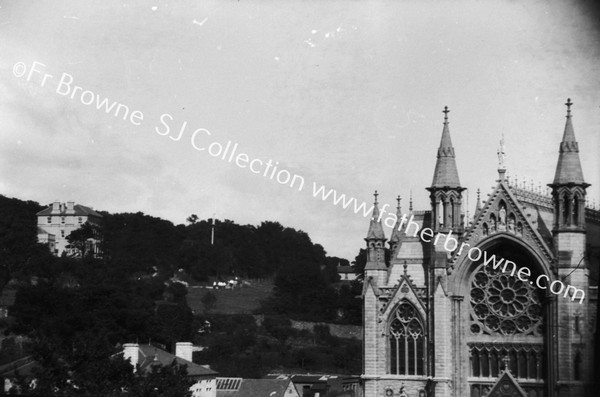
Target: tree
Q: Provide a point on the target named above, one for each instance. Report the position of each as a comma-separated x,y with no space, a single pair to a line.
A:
192,219
18,236
163,381
79,238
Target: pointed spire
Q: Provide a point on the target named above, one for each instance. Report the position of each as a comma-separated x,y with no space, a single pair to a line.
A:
568,169
468,214
395,237
446,173
375,228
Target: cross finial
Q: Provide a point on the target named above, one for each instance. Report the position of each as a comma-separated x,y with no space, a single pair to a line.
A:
569,104
375,194
446,111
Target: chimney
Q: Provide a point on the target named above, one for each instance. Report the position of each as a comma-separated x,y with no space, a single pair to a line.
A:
56,207
184,350
70,207
131,352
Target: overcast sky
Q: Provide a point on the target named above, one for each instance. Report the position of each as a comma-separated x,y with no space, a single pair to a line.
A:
346,94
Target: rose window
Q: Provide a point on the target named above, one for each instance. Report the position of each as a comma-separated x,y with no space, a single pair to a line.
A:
501,303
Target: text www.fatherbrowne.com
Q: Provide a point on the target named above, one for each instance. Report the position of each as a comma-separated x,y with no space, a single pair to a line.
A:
65,86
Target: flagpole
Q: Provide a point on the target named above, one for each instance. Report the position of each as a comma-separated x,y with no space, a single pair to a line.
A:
212,231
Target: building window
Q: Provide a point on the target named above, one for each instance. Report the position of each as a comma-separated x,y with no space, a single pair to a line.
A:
62,219
80,220
503,308
407,342
62,233
49,219
501,303
488,360
577,367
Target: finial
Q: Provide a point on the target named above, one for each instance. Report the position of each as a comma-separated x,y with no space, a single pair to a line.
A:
539,188
405,267
410,207
532,189
375,194
478,194
446,111
398,199
516,180
569,104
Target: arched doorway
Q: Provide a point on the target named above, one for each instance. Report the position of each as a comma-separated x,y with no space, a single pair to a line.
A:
503,320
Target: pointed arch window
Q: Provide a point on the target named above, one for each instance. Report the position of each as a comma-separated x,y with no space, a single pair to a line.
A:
576,209
407,341
452,212
566,209
577,366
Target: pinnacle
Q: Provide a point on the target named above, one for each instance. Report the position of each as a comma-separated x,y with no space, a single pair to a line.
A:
446,173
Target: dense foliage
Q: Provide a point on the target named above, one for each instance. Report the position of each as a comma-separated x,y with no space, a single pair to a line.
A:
237,346
76,313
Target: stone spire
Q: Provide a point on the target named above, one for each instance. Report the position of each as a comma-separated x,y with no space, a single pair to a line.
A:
446,173
396,234
568,169
375,246
375,229
568,188
445,191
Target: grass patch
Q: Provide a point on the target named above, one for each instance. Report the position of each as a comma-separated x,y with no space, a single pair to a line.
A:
242,300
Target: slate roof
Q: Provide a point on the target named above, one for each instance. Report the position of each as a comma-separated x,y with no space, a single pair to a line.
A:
79,210
150,355
263,388
23,366
238,387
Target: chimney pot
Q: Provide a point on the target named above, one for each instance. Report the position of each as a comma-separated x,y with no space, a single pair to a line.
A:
184,350
131,352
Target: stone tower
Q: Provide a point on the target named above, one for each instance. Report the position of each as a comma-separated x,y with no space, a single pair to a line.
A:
569,231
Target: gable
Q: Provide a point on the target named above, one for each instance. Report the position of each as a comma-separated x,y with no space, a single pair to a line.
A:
502,213
507,386
404,291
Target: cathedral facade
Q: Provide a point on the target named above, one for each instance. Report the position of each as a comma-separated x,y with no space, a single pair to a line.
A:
443,323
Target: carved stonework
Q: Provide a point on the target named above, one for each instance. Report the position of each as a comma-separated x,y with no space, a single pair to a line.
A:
507,386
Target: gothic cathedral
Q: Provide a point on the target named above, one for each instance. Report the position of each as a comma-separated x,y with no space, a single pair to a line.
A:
442,323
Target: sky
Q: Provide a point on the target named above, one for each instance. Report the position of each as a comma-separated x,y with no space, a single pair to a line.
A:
342,94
